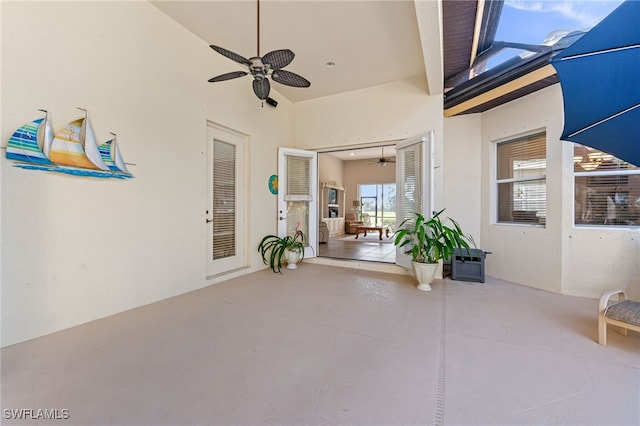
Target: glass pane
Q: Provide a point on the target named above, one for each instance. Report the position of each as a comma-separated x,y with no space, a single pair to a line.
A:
522,158
298,175
522,202
224,200
607,200
389,206
586,159
378,204
544,22
298,217
369,209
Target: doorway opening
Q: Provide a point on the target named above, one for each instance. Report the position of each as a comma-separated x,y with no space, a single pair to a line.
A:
366,202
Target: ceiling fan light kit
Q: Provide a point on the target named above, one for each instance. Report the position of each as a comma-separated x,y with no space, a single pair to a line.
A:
383,161
261,67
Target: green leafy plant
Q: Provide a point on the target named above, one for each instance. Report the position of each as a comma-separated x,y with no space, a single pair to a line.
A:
273,249
430,240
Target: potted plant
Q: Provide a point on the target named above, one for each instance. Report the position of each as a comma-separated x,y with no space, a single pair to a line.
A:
429,241
276,250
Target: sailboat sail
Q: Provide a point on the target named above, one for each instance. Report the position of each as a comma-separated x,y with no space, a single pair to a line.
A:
75,145
112,157
73,150
31,143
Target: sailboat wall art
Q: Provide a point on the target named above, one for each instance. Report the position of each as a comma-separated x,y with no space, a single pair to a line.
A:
72,150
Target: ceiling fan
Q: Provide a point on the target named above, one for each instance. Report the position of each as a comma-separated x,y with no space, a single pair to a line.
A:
382,161
261,67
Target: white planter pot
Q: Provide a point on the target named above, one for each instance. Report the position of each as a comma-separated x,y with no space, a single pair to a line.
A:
425,273
293,257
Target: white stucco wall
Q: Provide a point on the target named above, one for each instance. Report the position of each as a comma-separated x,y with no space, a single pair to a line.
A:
462,172
530,255
559,257
73,249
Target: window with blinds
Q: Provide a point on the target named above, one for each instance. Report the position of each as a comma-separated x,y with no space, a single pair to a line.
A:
607,189
409,187
298,170
224,200
521,180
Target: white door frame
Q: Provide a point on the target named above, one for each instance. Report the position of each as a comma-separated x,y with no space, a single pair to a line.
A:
312,198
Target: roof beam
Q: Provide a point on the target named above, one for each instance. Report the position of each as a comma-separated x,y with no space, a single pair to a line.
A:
429,16
518,83
476,31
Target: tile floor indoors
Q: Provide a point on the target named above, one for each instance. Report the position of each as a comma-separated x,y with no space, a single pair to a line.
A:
334,346
368,248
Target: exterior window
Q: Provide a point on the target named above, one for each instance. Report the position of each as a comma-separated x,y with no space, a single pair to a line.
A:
521,180
378,204
607,189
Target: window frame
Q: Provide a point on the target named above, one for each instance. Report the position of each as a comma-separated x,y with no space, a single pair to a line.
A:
541,222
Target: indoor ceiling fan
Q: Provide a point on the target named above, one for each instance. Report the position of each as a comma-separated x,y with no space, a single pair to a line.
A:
261,67
382,161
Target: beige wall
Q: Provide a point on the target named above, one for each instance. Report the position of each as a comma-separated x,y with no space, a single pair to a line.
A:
362,171
558,257
330,169
74,249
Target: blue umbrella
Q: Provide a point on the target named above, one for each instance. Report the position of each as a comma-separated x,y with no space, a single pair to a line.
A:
600,80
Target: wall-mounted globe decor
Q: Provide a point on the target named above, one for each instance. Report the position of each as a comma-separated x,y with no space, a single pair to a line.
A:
273,184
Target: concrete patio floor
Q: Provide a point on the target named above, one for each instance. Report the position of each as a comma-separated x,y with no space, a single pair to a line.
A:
326,345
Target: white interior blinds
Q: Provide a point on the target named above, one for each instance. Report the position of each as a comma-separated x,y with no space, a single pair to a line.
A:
298,171
410,181
224,200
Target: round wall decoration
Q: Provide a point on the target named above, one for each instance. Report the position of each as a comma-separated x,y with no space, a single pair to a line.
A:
273,184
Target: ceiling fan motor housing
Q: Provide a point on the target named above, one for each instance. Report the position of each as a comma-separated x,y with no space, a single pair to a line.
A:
258,68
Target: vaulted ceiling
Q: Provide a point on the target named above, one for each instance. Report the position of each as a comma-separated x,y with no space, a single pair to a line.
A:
371,42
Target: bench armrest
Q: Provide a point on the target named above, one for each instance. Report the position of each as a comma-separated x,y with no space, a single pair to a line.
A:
604,299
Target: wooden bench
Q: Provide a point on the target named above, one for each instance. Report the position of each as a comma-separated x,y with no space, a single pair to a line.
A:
624,314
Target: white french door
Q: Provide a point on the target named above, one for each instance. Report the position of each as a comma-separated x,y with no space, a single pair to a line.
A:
298,195
414,180
225,214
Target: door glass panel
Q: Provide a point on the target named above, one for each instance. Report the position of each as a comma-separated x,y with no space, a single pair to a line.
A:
297,217
224,194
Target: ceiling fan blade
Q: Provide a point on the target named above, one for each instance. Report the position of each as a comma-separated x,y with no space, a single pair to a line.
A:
261,88
290,79
231,55
228,76
278,58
